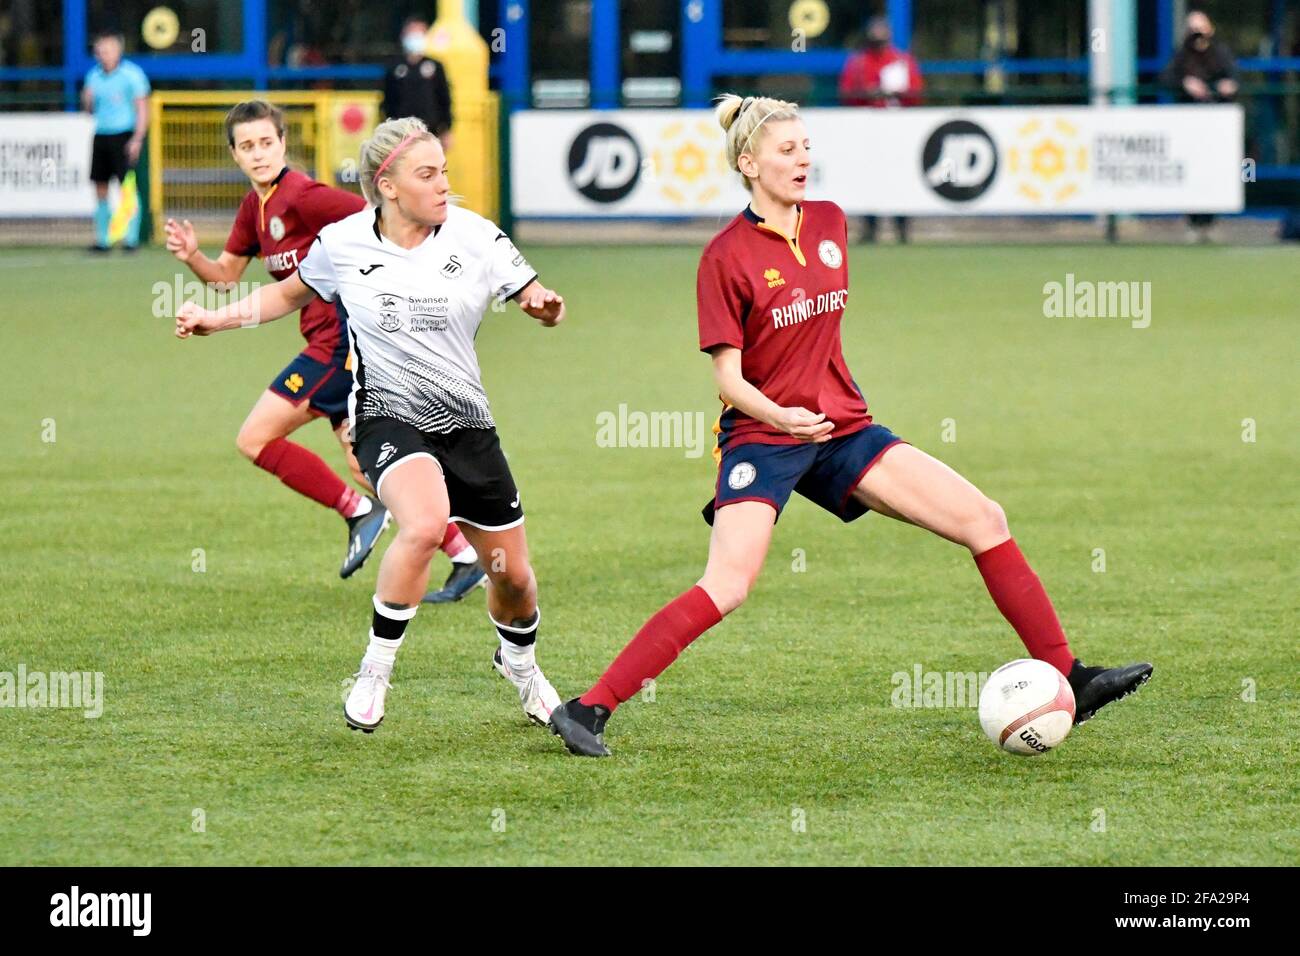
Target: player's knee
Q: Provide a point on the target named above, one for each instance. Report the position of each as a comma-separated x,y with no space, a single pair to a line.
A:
250,443
988,525
423,533
728,592
514,581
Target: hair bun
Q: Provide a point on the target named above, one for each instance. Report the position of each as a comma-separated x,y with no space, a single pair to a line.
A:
728,110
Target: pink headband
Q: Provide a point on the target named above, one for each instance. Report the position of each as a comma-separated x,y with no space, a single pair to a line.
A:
393,155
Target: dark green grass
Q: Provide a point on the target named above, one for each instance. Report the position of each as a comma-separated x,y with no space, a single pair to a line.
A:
222,687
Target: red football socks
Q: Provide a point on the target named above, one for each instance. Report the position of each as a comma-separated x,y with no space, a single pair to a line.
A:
453,542
307,474
1020,597
654,647
1014,586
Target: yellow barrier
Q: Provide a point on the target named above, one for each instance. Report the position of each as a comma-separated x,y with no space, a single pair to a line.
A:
474,161
192,175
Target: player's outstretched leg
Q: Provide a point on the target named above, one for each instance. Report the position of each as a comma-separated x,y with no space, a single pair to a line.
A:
741,534
513,611
262,441
911,486
466,572
367,518
417,495
365,526
1095,687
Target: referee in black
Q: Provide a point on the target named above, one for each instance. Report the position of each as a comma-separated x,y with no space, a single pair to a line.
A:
417,84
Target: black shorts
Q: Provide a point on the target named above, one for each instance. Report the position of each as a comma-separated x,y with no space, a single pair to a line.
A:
479,484
108,157
324,387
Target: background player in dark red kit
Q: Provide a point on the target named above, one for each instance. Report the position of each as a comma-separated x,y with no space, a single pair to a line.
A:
771,290
278,220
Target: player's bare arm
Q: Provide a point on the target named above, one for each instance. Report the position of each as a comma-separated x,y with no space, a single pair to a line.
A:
265,304
735,391
183,243
543,304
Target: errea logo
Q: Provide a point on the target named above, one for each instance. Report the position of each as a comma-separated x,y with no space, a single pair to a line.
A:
773,277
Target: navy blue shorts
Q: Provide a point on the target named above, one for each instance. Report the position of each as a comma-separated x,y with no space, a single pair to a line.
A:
825,474
325,386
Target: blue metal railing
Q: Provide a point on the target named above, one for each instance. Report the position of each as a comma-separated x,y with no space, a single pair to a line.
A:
703,56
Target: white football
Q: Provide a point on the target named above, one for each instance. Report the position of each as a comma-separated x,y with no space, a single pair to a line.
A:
1027,707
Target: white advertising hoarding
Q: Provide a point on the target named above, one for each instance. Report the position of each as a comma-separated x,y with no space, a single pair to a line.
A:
45,164
923,161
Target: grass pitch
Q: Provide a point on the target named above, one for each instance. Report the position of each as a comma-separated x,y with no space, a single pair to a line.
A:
774,739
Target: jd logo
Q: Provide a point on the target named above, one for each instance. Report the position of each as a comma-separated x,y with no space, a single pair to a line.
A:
604,162
960,161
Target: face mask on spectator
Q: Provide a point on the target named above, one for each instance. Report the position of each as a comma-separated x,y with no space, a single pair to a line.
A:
413,43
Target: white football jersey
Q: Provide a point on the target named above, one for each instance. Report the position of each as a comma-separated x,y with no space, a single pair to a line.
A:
412,314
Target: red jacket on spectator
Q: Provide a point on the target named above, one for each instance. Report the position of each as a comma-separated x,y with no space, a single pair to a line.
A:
881,77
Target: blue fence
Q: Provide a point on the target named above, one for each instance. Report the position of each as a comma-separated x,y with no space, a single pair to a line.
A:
704,58
703,55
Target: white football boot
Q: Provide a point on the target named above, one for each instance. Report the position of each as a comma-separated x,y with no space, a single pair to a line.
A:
364,708
536,694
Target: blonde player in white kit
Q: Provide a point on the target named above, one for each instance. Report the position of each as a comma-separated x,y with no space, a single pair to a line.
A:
416,275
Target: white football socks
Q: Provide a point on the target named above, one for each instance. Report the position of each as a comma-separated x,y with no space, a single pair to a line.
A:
381,653
468,556
519,658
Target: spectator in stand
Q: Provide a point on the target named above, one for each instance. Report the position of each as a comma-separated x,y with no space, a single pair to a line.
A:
417,86
881,75
1202,71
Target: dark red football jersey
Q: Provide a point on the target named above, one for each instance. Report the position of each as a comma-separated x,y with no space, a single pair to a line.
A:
280,227
780,299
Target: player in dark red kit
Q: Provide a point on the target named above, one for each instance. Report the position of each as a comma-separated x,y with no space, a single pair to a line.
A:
771,292
278,220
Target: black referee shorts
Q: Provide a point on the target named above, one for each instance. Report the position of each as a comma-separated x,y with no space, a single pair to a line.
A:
479,484
108,157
